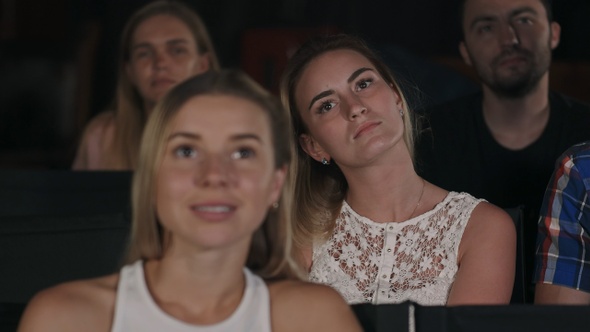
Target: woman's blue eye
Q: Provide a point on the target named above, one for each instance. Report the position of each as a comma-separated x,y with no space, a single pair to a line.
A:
243,153
185,152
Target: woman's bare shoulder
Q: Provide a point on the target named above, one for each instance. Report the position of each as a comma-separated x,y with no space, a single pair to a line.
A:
102,123
94,144
303,306
487,217
73,306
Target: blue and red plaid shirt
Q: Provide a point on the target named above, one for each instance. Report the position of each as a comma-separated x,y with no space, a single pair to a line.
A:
563,239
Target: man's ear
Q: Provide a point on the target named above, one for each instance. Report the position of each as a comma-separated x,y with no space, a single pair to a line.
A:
464,53
555,34
312,148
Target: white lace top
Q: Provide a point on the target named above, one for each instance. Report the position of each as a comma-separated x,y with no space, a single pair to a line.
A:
415,260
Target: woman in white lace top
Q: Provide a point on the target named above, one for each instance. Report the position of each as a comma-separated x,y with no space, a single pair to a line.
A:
366,223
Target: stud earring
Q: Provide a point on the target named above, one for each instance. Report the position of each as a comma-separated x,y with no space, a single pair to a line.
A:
325,161
401,113
275,205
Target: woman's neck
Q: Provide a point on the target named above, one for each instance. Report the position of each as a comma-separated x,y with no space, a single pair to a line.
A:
202,289
386,191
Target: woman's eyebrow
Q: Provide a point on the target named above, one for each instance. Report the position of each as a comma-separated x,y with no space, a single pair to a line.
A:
320,96
357,72
182,134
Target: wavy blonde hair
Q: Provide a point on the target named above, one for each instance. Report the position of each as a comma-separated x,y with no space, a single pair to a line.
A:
270,250
130,115
320,189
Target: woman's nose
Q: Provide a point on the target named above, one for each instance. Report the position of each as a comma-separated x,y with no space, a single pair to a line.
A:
214,171
355,108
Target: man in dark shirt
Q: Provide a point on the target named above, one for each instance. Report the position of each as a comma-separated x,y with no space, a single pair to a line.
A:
501,143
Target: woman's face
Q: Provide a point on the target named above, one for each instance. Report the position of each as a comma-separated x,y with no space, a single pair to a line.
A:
163,53
217,179
352,113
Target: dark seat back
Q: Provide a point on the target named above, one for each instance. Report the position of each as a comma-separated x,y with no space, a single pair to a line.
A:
57,226
37,252
520,291
61,192
477,318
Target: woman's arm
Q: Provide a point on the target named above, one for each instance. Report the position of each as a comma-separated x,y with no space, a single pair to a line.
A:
557,294
487,255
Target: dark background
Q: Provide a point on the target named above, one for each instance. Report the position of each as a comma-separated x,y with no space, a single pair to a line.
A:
58,57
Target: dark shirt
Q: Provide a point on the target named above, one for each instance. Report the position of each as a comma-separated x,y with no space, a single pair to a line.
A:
456,151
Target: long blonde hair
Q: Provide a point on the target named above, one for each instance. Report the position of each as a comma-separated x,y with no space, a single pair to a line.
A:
130,115
270,250
320,189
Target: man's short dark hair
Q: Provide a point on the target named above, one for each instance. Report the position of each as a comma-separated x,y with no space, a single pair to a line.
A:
546,3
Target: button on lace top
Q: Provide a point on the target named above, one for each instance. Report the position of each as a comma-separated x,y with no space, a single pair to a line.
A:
416,260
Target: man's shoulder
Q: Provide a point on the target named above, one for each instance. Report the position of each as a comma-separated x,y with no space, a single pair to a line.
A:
579,153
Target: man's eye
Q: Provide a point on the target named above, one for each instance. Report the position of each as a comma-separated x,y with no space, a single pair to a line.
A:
525,20
485,28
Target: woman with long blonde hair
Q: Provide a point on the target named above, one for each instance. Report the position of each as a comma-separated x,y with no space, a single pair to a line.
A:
162,44
211,236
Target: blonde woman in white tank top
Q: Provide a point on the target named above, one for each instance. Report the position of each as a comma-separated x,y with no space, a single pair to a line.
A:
211,235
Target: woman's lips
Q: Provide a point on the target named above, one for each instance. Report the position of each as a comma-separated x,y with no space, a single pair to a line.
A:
364,128
213,212
162,81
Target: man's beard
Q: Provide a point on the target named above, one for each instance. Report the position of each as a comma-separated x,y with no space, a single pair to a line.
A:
522,80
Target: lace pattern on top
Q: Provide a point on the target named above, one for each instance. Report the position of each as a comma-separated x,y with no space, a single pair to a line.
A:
416,260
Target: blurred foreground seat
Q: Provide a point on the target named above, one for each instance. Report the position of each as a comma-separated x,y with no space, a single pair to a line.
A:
40,251
57,226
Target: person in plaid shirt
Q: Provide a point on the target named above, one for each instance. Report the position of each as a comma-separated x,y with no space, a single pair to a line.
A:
562,269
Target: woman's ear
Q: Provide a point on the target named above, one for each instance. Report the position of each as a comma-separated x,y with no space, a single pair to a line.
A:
398,99
204,63
280,175
312,148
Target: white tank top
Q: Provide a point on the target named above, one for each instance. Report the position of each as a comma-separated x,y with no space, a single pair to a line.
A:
392,262
136,310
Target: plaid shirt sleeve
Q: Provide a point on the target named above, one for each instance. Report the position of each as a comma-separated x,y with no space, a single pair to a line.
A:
563,241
